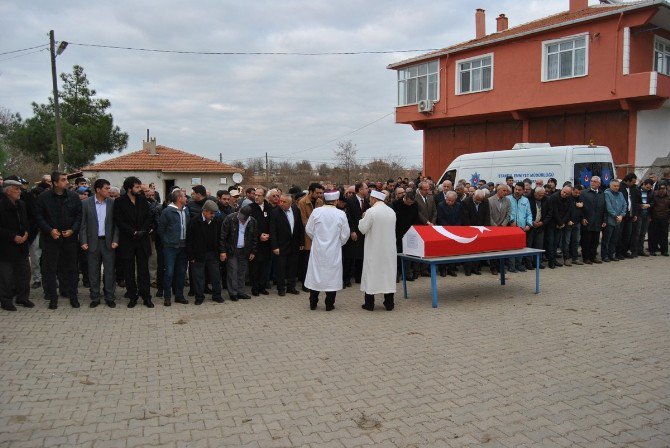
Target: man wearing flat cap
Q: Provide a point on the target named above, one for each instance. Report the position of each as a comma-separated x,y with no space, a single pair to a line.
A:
202,240
237,246
328,229
378,226
14,246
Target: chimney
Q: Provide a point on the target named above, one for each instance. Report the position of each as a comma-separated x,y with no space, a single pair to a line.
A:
480,23
578,5
150,145
502,22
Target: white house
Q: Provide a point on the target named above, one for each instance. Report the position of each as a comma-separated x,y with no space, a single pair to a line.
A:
166,167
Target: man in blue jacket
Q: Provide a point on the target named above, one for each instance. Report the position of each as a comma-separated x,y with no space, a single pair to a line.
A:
616,208
172,230
521,216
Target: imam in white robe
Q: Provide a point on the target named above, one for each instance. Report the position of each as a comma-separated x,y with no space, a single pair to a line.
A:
379,257
328,228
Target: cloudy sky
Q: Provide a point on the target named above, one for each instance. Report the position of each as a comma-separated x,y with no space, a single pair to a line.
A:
292,107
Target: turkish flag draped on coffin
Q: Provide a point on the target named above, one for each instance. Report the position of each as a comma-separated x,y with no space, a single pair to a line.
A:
443,241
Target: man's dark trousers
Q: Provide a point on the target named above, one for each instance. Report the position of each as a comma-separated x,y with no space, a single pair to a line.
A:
102,255
14,280
287,270
143,281
59,262
211,265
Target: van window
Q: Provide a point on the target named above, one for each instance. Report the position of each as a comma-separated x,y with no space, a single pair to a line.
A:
449,175
584,172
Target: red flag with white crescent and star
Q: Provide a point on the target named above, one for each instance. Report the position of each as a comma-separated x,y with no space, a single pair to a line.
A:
442,241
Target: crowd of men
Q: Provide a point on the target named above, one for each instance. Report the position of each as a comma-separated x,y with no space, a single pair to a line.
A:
319,240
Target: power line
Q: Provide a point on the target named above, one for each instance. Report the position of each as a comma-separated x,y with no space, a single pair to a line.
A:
252,53
24,54
286,156
24,49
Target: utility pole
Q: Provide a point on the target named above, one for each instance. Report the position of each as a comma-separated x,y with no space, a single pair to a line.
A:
59,135
267,171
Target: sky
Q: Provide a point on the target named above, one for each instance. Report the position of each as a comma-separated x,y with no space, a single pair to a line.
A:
292,107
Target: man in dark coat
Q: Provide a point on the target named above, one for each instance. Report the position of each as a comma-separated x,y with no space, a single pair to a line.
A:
237,246
476,212
593,220
353,249
202,241
407,215
560,206
14,247
134,220
259,268
627,245
287,239
58,214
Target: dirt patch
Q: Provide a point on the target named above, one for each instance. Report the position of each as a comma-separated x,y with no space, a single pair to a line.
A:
181,321
366,422
87,382
18,419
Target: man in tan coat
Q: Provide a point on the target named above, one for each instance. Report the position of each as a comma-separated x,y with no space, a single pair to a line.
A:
313,199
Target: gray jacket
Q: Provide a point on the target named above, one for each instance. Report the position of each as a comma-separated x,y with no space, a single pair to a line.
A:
502,217
88,234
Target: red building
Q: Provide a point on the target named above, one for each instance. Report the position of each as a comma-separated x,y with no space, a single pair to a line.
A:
599,72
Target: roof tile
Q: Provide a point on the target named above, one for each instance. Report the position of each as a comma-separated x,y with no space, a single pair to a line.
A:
167,160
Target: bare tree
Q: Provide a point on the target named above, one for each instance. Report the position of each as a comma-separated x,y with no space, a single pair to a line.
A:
346,157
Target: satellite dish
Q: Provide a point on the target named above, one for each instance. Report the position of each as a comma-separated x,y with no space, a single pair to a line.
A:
237,178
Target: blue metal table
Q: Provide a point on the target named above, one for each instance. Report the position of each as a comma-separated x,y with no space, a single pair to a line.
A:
500,255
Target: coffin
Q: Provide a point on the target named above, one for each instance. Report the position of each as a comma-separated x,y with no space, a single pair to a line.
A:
444,241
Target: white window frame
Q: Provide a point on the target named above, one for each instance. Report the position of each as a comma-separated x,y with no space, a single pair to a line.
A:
665,42
437,86
458,73
545,47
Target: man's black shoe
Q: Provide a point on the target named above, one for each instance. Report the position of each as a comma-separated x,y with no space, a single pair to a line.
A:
74,303
244,296
281,293
199,301
293,291
468,273
167,302
347,284
26,304
94,303
181,300
254,293
304,289
264,292
110,303
329,307
159,293
148,303
53,304
477,272
8,306
218,299
132,303
368,308
234,298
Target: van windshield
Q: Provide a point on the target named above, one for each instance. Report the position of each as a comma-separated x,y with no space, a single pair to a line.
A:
449,175
585,171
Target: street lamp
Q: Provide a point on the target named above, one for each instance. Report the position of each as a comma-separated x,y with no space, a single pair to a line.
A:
54,78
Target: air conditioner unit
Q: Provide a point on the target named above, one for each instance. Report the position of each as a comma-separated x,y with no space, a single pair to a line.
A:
425,106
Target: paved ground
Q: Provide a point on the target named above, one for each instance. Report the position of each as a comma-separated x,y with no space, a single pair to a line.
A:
585,363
